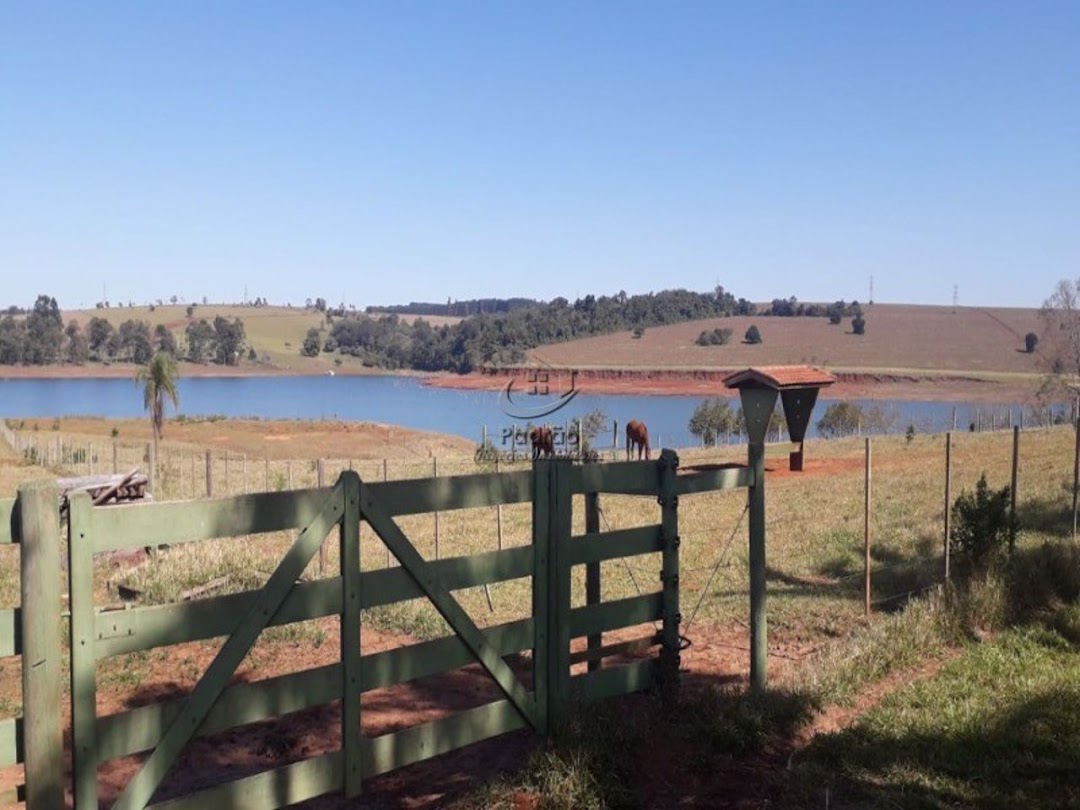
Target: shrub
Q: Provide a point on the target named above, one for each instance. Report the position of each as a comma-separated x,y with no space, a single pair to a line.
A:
981,521
858,325
639,332
753,335
717,337
1031,340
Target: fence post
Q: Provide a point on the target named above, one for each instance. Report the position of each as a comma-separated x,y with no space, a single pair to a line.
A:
209,475
592,577
115,466
435,470
225,490
1012,489
1076,472
552,505
349,556
669,571
498,513
42,684
866,529
758,623
152,465
948,497
385,478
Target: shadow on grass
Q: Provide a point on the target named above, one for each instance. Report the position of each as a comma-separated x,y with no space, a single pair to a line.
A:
1050,516
1019,747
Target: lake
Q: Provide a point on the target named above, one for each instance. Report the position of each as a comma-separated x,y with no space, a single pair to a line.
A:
406,401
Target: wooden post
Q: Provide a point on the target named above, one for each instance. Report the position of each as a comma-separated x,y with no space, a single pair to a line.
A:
209,475
288,472
592,576
42,665
669,571
435,469
385,477
615,438
759,645
551,590
152,467
81,636
498,514
954,417
866,529
226,480
320,476
115,465
948,497
349,557
1012,489
1076,473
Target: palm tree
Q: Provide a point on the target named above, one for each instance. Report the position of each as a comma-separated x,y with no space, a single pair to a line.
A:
158,379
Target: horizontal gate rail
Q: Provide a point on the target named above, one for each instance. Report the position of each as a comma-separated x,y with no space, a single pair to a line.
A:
151,524
419,496
592,548
144,628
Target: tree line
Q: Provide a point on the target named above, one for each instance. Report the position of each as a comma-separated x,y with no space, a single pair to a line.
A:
41,338
495,339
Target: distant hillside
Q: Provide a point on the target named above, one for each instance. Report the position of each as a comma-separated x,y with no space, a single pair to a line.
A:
897,337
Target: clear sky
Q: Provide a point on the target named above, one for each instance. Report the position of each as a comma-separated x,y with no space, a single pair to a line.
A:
393,151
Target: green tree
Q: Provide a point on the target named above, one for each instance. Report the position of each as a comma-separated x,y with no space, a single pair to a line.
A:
164,340
228,340
12,340
78,348
858,325
135,341
200,340
714,418
44,332
1031,340
842,418
311,346
159,382
98,332
753,335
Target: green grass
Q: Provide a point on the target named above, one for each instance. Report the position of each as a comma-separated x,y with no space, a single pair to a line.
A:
999,727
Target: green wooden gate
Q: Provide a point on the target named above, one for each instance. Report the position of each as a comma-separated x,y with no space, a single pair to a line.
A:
163,729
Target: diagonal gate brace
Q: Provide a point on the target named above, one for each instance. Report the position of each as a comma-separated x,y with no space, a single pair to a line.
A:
421,572
141,788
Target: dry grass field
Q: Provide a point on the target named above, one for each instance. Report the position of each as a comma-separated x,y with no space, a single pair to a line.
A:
815,549
898,338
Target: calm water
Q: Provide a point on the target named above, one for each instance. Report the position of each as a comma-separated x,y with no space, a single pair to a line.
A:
404,401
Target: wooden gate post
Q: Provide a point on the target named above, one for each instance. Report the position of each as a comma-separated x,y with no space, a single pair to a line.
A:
592,577
551,589
669,571
759,643
42,667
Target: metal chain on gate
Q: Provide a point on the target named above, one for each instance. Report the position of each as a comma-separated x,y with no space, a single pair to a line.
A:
719,562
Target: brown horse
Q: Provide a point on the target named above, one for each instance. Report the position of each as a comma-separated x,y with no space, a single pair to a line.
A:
542,441
637,435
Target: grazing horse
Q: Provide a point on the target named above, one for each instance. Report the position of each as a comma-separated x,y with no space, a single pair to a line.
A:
542,442
637,435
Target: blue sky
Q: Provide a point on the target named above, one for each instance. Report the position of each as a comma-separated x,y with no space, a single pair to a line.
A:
393,151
